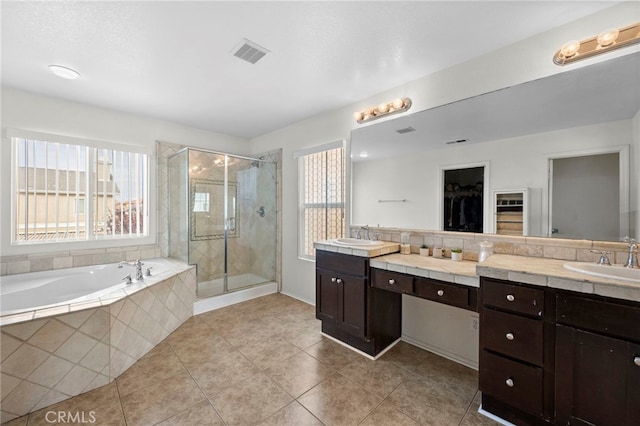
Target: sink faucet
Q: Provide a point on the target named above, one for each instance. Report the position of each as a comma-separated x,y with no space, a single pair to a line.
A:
632,257
366,231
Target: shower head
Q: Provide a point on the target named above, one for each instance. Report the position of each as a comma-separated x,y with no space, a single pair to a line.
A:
255,163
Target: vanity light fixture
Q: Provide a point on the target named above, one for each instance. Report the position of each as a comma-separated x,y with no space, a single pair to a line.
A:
64,72
610,39
394,107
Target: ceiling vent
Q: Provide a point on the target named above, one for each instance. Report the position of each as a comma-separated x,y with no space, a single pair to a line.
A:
249,51
457,141
406,130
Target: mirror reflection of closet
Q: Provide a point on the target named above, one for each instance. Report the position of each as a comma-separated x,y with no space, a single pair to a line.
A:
463,199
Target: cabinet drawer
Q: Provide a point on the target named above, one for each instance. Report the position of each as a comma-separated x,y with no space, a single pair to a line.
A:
514,383
605,317
344,263
442,292
515,298
513,335
392,281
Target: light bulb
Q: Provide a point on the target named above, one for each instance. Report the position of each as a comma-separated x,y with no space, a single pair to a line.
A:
570,49
383,108
608,37
358,115
64,72
398,103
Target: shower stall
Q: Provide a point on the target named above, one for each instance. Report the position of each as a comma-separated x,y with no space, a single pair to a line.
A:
222,219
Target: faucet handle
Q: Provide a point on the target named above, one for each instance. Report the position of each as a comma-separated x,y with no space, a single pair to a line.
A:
629,240
127,279
604,258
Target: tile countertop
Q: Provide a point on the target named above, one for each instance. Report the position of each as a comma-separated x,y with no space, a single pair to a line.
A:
445,269
551,273
378,250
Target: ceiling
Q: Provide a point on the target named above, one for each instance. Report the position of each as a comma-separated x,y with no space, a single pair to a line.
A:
173,61
599,93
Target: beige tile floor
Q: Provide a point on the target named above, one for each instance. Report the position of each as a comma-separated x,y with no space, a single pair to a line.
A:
265,362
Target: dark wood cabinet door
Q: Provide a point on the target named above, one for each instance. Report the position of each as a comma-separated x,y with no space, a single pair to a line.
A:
597,379
353,305
327,290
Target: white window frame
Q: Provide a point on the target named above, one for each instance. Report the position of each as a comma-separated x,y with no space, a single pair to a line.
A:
8,210
299,155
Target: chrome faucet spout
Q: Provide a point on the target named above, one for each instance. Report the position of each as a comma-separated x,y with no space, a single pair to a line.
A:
632,255
138,264
366,231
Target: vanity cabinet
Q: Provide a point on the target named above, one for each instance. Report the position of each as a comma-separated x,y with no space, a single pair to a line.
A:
365,317
516,351
597,361
450,294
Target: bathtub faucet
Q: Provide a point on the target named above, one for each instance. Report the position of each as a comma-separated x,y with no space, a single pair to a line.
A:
138,264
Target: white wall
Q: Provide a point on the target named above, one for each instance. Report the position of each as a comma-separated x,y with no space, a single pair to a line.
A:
29,111
513,163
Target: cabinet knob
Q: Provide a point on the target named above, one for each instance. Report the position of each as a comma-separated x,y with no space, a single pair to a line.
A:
509,336
636,361
440,292
339,280
392,281
511,297
509,382
333,279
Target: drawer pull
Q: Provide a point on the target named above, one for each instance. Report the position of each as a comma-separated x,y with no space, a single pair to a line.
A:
333,279
440,293
339,280
509,336
509,382
392,281
636,361
511,297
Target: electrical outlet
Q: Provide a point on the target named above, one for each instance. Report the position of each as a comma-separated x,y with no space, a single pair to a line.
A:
474,323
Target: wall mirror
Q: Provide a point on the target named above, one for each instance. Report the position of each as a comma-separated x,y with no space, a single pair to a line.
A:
207,209
516,132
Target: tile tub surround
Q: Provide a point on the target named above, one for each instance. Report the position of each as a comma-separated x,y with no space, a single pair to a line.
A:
220,368
550,248
23,264
51,358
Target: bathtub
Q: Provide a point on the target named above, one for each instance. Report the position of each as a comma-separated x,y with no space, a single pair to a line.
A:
69,331
38,290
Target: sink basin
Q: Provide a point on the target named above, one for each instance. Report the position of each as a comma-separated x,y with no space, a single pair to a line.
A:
356,242
615,272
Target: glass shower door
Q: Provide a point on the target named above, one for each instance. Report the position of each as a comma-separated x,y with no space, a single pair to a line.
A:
251,242
207,226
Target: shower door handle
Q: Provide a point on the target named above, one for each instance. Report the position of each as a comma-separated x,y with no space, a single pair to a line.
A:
231,224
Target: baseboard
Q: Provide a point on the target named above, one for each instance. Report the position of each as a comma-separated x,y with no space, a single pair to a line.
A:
212,303
297,298
358,351
494,417
442,352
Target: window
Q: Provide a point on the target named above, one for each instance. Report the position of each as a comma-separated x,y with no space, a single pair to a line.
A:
321,205
75,192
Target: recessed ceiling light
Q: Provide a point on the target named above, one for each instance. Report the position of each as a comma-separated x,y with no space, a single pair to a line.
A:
64,72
